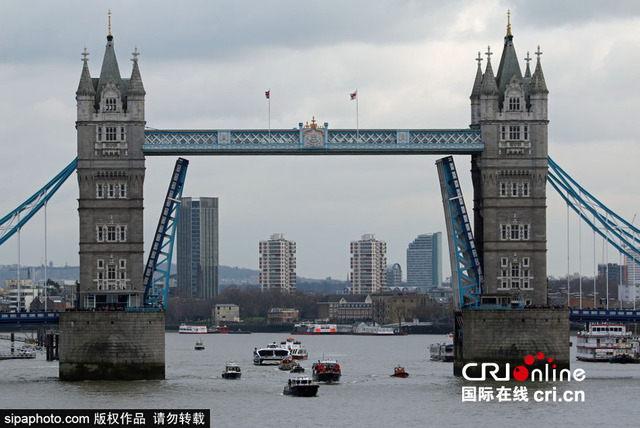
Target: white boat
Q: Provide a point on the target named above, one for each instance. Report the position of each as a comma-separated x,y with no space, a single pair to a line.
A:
601,341
273,353
192,329
441,351
298,351
199,345
373,330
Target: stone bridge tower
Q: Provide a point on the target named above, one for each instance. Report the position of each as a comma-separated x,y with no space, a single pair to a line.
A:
110,126
509,178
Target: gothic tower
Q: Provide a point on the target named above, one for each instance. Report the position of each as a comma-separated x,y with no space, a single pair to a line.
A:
509,178
110,126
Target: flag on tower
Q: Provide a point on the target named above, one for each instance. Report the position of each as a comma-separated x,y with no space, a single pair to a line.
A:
267,94
354,95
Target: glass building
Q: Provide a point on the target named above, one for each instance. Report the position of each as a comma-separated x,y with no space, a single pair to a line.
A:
198,247
424,261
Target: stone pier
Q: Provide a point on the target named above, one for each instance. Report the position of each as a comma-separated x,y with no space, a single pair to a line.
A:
112,345
506,336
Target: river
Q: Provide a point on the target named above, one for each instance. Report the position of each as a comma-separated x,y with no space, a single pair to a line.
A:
366,396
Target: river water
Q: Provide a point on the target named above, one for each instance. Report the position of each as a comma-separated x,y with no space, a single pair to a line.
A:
366,396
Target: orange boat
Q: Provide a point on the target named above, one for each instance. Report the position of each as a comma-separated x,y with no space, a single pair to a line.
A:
399,372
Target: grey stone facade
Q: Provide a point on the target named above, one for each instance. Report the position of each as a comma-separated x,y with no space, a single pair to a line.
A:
111,167
509,178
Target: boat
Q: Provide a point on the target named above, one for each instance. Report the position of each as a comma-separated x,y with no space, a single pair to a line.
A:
286,363
327,371
218,329
399,372
441,351
296,368
199,345
24,353
271,354
628,352
307,328
231,371
373,330
301,387
192,329
602,341
298,351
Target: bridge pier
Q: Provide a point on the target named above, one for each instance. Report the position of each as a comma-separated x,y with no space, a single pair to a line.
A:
112,345
506,336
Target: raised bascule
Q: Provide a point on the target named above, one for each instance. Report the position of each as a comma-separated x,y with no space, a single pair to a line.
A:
499,269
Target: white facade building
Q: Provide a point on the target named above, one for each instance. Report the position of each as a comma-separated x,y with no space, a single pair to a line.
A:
278,264
368,265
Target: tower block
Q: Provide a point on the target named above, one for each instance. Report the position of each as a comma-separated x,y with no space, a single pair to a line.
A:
509,180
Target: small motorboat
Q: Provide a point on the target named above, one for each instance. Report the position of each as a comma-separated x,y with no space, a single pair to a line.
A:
286,364
296,368
199,345
231,371
327,371
301,387
399,371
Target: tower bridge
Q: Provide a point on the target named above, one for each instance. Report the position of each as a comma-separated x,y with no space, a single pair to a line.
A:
508,144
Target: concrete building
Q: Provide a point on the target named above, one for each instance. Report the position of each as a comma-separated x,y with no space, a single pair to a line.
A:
21,297
277,264
424,262
224,313
629,290
198,247
110,133
510,177
394,275
368,265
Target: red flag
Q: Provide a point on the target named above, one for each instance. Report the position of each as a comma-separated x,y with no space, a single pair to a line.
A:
267,93
354,95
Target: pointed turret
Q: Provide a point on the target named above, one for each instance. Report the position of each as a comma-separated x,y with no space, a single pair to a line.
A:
85,87
538,84
527,73
475,94
489,85
85,95
135,93
135,84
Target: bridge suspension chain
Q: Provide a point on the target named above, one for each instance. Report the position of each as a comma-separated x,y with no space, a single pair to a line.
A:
606,223
13,222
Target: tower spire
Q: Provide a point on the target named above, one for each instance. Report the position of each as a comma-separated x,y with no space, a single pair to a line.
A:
509,22
109,22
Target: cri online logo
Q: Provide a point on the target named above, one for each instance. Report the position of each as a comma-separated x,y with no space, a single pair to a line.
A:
521,373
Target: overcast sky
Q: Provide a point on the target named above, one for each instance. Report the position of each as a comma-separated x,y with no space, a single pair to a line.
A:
207,64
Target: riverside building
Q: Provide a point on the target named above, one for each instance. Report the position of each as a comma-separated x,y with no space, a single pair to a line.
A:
368,265
278,264
424,262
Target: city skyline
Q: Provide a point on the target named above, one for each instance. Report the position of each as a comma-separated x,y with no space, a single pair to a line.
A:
416,71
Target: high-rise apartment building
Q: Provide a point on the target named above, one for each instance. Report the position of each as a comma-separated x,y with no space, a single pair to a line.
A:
198,249
368,265
278,264
424,261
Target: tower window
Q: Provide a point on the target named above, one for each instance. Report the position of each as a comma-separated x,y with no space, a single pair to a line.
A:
503,189
99,190
514,133
111,133
123,190
514,104
503,132
525,190
110,104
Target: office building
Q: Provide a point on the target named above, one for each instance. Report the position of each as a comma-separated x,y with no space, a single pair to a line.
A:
197,247
394,275
424,262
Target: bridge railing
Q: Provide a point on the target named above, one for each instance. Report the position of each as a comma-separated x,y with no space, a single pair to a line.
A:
628,315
